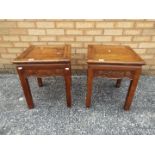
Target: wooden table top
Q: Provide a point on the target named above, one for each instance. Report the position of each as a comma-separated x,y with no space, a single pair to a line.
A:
44,54
113,54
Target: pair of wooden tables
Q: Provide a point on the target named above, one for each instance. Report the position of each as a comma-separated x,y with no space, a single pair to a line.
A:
111,61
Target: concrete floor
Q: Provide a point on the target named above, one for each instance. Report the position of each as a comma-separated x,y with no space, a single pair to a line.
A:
51,116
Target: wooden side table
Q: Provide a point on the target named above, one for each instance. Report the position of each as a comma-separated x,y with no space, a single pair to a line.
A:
42,61
116,62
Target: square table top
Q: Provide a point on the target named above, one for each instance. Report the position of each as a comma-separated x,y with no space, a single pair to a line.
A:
44,54
113,54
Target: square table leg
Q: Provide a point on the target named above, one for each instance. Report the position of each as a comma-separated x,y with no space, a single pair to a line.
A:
40,82
132,89
118,83
89,87
68,80
26,88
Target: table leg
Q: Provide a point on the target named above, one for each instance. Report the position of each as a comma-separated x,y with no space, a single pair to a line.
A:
26,88
40,82
68,80
118,83
131,90
89,87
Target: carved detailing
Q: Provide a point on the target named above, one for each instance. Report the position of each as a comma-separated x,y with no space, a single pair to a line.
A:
44,72
114,74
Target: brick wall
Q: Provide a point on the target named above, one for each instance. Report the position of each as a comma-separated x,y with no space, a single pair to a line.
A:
16,35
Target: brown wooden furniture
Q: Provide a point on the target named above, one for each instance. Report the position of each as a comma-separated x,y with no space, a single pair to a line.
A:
43,61
114,62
